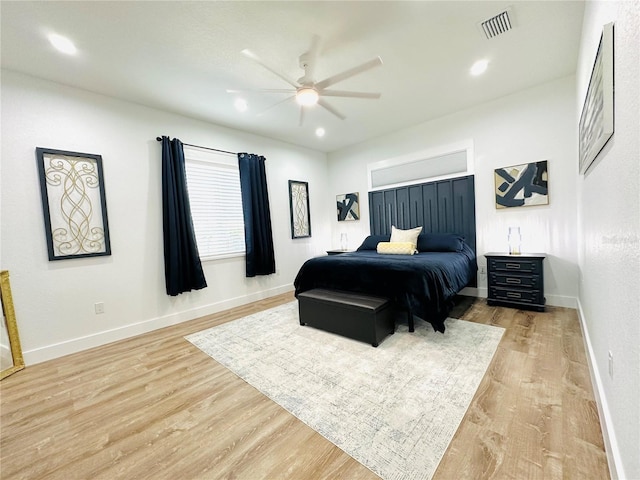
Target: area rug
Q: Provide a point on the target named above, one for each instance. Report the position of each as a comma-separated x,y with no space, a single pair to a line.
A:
393,408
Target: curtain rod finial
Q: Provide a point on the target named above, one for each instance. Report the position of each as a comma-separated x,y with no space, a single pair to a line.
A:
159,139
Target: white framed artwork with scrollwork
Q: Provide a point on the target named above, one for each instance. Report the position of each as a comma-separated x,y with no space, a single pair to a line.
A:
73,203
597,118
299,206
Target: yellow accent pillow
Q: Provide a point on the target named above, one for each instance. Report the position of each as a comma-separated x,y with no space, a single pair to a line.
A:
396,248
411,235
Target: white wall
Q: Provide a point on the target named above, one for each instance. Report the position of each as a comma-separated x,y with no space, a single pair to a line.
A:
609,238
536,124
54,301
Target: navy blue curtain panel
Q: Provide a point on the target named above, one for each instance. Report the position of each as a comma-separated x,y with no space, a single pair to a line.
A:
182,267
258,237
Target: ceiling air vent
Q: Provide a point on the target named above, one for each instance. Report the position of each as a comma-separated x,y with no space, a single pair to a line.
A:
497,25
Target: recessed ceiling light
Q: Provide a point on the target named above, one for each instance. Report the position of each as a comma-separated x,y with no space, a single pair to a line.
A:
320,132
479,67
62,44
241,105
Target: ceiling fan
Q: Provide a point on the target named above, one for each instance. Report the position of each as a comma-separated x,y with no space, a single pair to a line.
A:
306,91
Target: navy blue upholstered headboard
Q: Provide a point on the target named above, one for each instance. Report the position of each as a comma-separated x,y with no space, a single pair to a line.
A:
443,206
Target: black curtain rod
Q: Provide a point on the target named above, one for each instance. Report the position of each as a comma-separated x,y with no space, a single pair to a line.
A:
206,148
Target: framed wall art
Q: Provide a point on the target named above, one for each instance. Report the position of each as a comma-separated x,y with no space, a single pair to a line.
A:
73,204
596,120
522,185
299,206
348,207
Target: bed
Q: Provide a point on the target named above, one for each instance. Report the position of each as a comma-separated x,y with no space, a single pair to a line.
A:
425,284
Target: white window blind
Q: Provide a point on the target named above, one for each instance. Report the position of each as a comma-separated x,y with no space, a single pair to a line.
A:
213,181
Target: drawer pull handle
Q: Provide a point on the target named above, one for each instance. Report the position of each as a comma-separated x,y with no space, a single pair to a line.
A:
513,265
514,280
514,295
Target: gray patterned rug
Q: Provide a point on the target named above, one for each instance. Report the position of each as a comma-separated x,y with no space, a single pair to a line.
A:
393,408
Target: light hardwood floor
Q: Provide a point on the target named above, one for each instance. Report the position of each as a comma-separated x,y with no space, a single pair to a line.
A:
156,407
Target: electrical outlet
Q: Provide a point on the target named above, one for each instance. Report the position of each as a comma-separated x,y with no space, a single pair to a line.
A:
483,270
99,307
610,364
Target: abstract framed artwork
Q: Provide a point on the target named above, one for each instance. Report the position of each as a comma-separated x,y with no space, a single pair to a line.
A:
299,206
522,185
73,204
348,207
597,119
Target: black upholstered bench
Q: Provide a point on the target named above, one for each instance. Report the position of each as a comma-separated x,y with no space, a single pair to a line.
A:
352,315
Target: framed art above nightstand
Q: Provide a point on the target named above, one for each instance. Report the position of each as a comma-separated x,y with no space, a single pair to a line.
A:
516,280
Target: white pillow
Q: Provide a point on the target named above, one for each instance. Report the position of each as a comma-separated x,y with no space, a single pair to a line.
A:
411,235
396,248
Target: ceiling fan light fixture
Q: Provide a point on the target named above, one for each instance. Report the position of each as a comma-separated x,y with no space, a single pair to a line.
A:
307,96
306,91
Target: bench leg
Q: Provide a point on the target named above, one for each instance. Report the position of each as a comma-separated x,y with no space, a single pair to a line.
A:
410,321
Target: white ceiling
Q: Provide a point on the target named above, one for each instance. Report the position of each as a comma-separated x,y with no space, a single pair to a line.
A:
183,56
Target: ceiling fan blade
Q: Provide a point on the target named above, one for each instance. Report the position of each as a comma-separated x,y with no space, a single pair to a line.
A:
312,56
348,73
249,54
308,61
315,46
342,93
325,105
265,90
275,105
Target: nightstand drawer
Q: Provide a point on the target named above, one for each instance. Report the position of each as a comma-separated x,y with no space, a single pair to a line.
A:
512,280
523,265
520,296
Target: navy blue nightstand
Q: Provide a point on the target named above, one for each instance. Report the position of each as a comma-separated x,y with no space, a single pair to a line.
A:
516,280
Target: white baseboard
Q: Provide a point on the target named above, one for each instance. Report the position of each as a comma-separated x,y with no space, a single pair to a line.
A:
561,301
616,468
49,352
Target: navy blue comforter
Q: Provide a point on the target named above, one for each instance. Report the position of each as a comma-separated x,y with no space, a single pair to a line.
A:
423,284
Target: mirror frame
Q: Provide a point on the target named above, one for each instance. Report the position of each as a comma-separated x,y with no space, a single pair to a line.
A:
12,326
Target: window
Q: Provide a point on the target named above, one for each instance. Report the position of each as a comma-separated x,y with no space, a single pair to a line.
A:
213,181
446,161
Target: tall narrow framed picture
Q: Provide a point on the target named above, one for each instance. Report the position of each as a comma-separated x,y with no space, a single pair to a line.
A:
73,204
596,120
299,206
